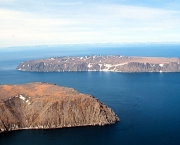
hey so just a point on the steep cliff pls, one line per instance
(44, 106)
(102, 63)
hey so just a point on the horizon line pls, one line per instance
(91, 44)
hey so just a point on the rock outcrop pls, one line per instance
(45, 106)
(102, 63)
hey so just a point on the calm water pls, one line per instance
(147, 103)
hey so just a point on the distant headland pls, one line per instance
(112, 63)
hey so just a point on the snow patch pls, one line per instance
(111, 67)
(100, 65)
(24, 99)
(89, 65)
(107, 67)
(161, 65)
(121, 64)
(11, 98)
(21, 97)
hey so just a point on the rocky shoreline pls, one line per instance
(112, 63)
(48, 106)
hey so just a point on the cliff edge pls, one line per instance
(45, 106)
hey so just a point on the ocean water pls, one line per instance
(147, 103)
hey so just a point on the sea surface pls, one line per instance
(147, 103)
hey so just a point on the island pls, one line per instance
(112, 63)
(45, 106)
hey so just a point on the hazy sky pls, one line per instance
(48, 22)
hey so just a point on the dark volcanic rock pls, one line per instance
(102, 63)
(44, 106)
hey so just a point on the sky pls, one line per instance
(55, 22)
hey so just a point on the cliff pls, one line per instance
(45, 106)
(102, 63)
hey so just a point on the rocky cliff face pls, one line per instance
(102, 63)
(44, 106)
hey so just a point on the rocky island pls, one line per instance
(46, 106)
(113, 63)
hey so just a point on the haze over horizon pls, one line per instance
(55, 22)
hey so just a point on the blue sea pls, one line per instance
(147, 103)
